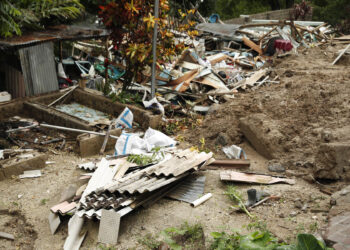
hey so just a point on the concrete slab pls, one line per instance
(88, 145)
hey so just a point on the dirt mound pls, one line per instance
(312, 97)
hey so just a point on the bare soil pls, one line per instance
(312, 96)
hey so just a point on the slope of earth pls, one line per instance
(313, 97)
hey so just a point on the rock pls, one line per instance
(338, 231)
(333, 201)
(222, 139)
(332, 161)
(304, 208)
(276, 168)
(293, 214)
(340, 201)
(281, 215)
(298, 204)
(214, 108)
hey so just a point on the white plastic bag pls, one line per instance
(234, 152)
(154, 138)
(129, 144)
(133, 144)
(125, 119)
(1, 154)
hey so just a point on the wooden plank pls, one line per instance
(255, 77)
(252, 45)
(341, 54)
(229, 164)
(253, 178)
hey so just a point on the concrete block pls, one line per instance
(88, 145)
(332, 161)
(145, 118)
(18, 166)
(263, 134)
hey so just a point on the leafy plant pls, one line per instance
(149, 242)
(131, 23)
(143, 160)
(234, 195)
(15, 15)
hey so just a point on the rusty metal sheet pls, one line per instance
(39, 70)
(51, 34)
(253, 178)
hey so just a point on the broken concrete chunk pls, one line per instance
(263, 134)
(276, 167)
(332, 161)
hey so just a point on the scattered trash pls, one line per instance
(125, 119)
(30, 174)
(201, 200)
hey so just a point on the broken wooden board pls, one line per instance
(186, 77)
(213, 81)
(214, 59)
(252, 45)
(255, 77)
(253, 178)
(341, 54)
(229, 164)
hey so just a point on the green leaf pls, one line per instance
(309, 242)
(216, 234)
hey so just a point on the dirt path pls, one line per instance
(38, 195)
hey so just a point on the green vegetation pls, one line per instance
(192, 237)
(143, 160)
(16, 15)
(236, 196)
(186, 237)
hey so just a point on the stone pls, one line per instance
(293, 214)
(222, 139)
(338, 231)
(278, 168)
(298, 204)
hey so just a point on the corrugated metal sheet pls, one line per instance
(39, 71)
(57, 33)
(139, 186)
(226, 30)
(189, 190)
(14, 82)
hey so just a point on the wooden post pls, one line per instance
(60, 51)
